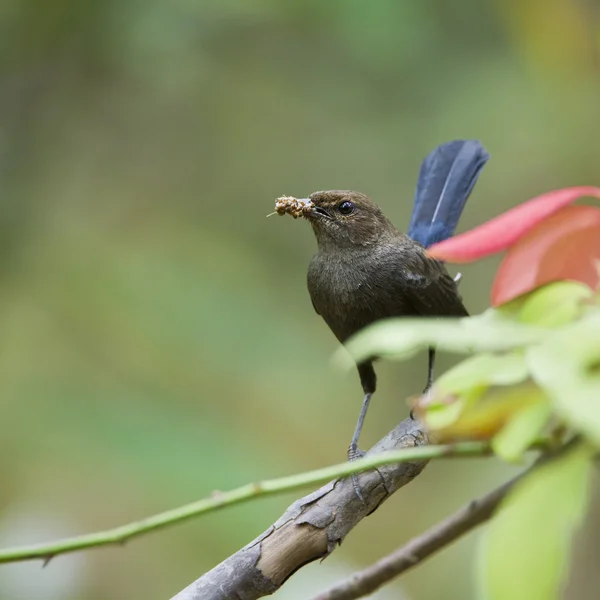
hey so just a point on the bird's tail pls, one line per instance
(446, 179)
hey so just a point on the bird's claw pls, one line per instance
(354, 453)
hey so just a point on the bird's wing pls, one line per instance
(430, 289)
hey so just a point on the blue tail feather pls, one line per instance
(446, 179)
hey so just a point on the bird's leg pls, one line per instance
(431, 364)
(353, 451)
(430, 368)
(368, 381)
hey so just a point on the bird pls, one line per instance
(366, 270)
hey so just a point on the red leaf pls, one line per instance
(563, 247)
(503, 231)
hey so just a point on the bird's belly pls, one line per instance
(350, 300)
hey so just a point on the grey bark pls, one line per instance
(310, 528)
(367, 581)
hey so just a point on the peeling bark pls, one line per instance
(310, 528)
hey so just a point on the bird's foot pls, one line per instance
(354, 453)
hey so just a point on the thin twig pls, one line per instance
(436, 538)
(216, 500)
(420, 548)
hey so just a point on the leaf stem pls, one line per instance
(217, 499)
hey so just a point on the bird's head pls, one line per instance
(343, 218)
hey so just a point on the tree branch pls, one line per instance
(441, 535)
(119, 535)
(313, 526)
(420, 548)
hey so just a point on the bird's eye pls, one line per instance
(346, 207)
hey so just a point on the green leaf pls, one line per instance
(463, 386)
(511, 442)
(401, 338)
(483, 418)
(555, 304)
(441, 417)
(567, 367)
(484, 370)
(527, 545)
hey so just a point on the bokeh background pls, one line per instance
(157, 339)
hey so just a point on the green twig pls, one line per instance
(119, 535)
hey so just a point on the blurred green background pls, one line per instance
(157, 339)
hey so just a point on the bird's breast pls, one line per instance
(336, 281)
(351, 292)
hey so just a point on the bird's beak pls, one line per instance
(309, 208)
(313, 212)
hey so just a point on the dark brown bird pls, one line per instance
(366, 270)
